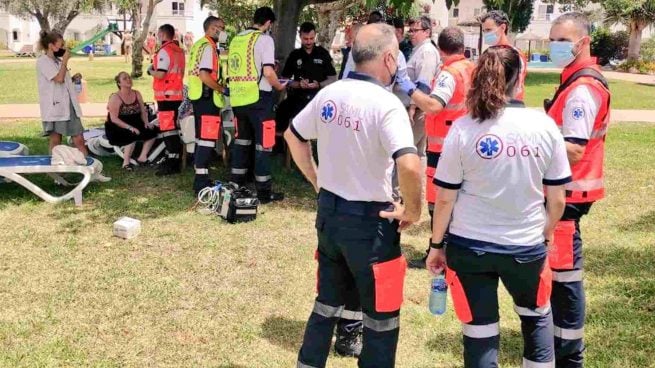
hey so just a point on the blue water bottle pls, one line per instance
(438, 295)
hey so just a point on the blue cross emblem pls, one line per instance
(328, 111)
(578, 113)
(489, 147)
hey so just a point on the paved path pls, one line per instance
(636, 78)
(99, 110)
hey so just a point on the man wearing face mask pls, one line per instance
(495, 27)
(167, 71)
(358, 123)
(251, 71)
(581, 108)
(206, 95)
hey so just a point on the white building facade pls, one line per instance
(184, 15)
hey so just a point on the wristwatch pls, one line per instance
(439, 245)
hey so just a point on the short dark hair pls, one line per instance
(396, 22)
(48, 37)
(375, 17)
(263, 15)
(499, 17)
(451, 40)
(168, 30)
(205, 25)
(307, 27)
(580, 21)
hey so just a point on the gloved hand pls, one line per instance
(406, 86)
(423, 87)
(226, 91)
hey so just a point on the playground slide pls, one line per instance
(113, 27)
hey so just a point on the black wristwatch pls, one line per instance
(439, 245)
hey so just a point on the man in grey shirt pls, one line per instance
(422, 66)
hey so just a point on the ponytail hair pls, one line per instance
(48, 37)
(494, 82)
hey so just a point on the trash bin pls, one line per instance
(536, 57)
(107, 49)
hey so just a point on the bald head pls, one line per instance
(372, 42)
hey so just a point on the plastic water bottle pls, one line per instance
(438, 295)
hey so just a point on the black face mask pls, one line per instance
(60, 52)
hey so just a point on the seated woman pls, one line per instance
(127, 121)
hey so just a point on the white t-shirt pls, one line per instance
(55, 98)
(361, 128)
(264, 56)
(444, 88)
(500, 167)
(164, 62)
(207, 58)
(401, 74)
(580, 112)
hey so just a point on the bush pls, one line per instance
(607, 45)
(638, 66)
(648, 50)
(71, 44)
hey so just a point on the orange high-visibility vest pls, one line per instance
(171, 87)
(438, 125)
(588, 178)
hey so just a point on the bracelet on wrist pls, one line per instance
(438, 245)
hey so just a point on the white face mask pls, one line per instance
(222, 37)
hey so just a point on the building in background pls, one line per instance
(185, 15)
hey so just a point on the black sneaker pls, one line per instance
(169, 167)
(269, 196)
(199, 183)
(349, 341)
(417, 263)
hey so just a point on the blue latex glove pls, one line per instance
(406, 86)
(226, 91)
(423, 87)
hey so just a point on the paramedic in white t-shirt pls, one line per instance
(496, 164)
(361, 129)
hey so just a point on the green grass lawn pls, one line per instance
(100, 76)
(625, 95)
(193, 291)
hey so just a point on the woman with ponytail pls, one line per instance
(490, 220)
(60, 111)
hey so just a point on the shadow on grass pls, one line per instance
(511, 345)
(284, 332)
(646, 84)
(645, 223)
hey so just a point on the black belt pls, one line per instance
(332, 202)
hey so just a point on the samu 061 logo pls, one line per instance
(489, 146)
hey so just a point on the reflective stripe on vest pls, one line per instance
(481, 331)
(242, 72)
(171, 87)
(437, 126)
(587, 185)
(193, 75)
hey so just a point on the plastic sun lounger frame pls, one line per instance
(41, 165)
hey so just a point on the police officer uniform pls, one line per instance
(357, 124)
(207, 104)
(581, 109)
(169, 94)
(251, 97)
(314, 66)
(495, 234)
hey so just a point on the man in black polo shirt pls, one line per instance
(310, 68)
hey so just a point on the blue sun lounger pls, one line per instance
(8, 148)
(14, 168)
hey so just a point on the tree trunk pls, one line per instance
(44, 23)
(329, 18)
(63, 24)
(634, 46)
(137, 51)
(287, 13)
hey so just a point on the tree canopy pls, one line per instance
(518, 11)
(52, 14)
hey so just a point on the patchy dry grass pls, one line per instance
(192, 290)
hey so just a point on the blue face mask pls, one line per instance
(561, 53)
(491, 38)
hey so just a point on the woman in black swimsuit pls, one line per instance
(127, 121)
